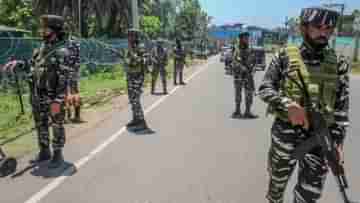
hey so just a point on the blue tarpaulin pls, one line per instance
(224, 34)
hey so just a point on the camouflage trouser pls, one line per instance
(41, 114)
(155, 73)
(248, 85)
(135, 83)
(312, 169)
(73, 96)
(178, 71)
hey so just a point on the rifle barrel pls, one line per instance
(19, 94)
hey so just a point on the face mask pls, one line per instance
(47, 34)
(315, 43)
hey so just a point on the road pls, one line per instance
(198, 154)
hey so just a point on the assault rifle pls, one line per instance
(18, 90)
(320, 136)
(15, 72)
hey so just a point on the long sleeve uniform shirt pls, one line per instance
(269, 90)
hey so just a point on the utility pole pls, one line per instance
(287, 30)
(80, 24)
(356, 27)
(135, 14)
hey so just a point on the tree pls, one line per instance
(151, 26)
(105, 14)
(110, 18)
(166, 11)
(17, 13)
(356, 12)
(187, 20)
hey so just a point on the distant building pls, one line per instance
(257, 35)
(225, 32)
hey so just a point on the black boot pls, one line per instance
(131, 124)
(57, 160)
(175, 77)
(181, 79)
(248, 114)
(43, 155)
(153, 87)
(141, 126)
(237, 113)
(165, 88)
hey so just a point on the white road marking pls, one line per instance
(67, 173)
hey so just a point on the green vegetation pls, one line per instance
(109, 18)
(151, 26)
(355, 69)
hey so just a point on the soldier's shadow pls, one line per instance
(252, 118)
(66, 169)
(75, 122)
(158, 94)
(244, 118)
(43, 170)
(142, 133)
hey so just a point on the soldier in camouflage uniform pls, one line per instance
(73, 92)
(136, 71)
(327, 79)
(161, 60)
(243, 76)
(48, 74)
(179, 62)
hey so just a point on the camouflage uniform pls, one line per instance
(161, 60)
(285, 137)
(179, 62)
(243, 79)
(74, 79)
(49, 86)
(135, 81)
(48, 75)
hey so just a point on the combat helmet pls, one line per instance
(52, 21)
(319, 16)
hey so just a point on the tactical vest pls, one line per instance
(238, 57)
(321, 83)
(136, 59)
(180, 54)
(44, 58)
(161, 57)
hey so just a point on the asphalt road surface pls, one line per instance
(198, 154)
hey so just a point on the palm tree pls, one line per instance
(112, 17)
